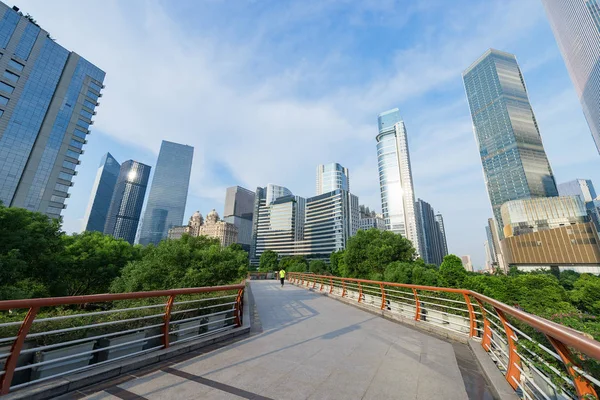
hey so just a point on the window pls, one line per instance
(6, 88)
(95, 86)
(69, 165)
(86, 114)
(83, 124)
(72, 154)
(11, 76)
(1, 112)
(61, 188)
(65, 176)
(79, 134)
(53, 210)
(16, 65)
(89, 104)
(76, 143)
(57, 199)
(3, 100)
(92, 95)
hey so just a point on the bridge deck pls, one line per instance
(312, 347)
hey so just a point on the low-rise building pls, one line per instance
(213, 227)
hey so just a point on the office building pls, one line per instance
(168, 192)
(212, 227)
(514, 161)
(331, 177)
(127, 201)
(370, 219)
(466, 260)
(584, 188)
(48, 97)
(491, 249)
(432, 243)
(576, 27)
(102, 191)
(239, 209)
(440, 224)
(395, 177)
(551, 232)
(489, 261)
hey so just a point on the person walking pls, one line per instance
(282, 276)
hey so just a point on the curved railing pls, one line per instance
(539, 358)
(50, 337)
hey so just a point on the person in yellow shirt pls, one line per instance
(282, 276)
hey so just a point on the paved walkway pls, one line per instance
(312, 347)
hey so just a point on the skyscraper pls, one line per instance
(584, 188)
(127, 201)
(239, 209)
(440, 225)
(433, 247)
(168, 193)
(104, 186)
(515, 165)
(395, 177)
(576, 27)
(47, 100)
(491, 244)
(331, 177)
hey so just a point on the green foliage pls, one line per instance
(586, 294)
(294, 264)
(336, 261)
(318, 267)
(452, 272)
(268, 261)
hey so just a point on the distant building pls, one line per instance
(432, 245)
(583, 188)
(550, 232)
(466, 260)
(370, 219)
(168, 192)
(48, 98)
(213, 227)
(515, 165)
(239, 209)
(440, 224)
(102, 191)
(127, 201)
(331, 177)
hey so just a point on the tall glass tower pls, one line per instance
(47, 100)
(331, 177)
(104, 186)
(127, 201)
(514, 161)
(168, 193)
(576, 27)
(395, 177)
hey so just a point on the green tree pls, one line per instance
(586, 294)
(399, 272)
(452, 271)
(318, 267)
(268, 261)
(336, 260)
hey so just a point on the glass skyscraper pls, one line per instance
(395, 177)
(433, 241)
(47, 100)
(331, 177)
(239, 209)
(440, 224)
(127, 201)
(104, 186)
(168, 193)
(514, 161)
(576, 27)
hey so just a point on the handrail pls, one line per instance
(477, 325)
(34, 306)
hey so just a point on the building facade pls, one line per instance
(466, 260)
(239, 209)
(212, 227)
(514, 161)
(576, 27)
(102, 191)
(440, 224)
(395, 177)
(331, 177)
(48, 97)
(168, 192)
(433, 249)
(127, 201)
(584, 188)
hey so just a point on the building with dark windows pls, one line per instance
(514, 161)
(440, 225)
(104, 186)
(576, 27)
(127, 201)
(168, 192)
(370, 219)
(239, 209)
(433, 242)
(331, 177)
(48, 97)
(395, 177)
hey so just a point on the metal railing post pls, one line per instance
(321, 287)
(486, 341)
(15, 351)
(343, 288)
(239, 308)
(583, 387)
(314, 282)
(359, 292)
(513, 372)
(472, 319)
(330, 285)
(382, 296)
(418, 305)
(167, 319)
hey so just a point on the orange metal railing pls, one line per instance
(539, 358)
(197, 312)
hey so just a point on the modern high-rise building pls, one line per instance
(395, 177)
(168, 192)
(47, 100)
(490, 241)
(430, 234)
(331, 177)
(127, 201)
(514, 161)
(239, 209)
(440, 224)
(104, 186)
(466, 260)
(584, 188)
(576, 27)
(273, 192)
(370, 219)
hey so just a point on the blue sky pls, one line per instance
(267, 89)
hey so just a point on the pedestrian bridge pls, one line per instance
(378, 341)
